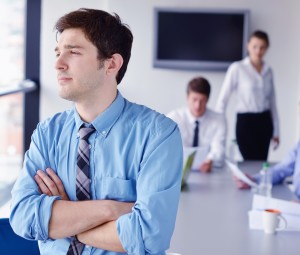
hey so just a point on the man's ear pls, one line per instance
(114, 64)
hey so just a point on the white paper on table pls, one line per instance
(261, 203)
(239, 174)
(200, 156)
(289, 210)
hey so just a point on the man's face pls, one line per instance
(79, 73)
(196, 103)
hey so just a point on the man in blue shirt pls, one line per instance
(289, 166)
(135, 153)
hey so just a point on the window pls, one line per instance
(19, 87)
(12, 46)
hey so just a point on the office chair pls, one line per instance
(12, 244)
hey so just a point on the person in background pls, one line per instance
(252, 81)
(200, 126)
(289, 166)
(119, 194)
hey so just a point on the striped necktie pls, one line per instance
(82, 179)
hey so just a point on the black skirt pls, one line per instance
(253, 134)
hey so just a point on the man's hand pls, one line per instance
(240, 184)
(206, 166)
(50, 184)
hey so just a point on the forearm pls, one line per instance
(73, 217)
(104, 237)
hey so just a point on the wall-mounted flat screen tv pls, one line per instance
(199, 39)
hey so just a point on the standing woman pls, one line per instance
(257, 119)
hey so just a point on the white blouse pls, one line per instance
(255, 91)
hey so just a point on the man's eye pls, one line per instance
(75, 52)
(57, 54)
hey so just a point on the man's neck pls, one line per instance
(93, 107)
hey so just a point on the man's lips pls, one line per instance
(63, 78)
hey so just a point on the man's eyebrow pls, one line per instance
(68, 46)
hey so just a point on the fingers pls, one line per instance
(58, 183)
(50, 184)
(46, 184)
(43, 189)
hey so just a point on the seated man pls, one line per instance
(289, 166)
(200, 126)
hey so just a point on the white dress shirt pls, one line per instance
(255, 91)
(212, 131)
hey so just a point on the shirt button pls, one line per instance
(90, 146)
(103, 132)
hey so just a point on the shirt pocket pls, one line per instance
(117, 189)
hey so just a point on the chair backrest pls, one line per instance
(12, 244)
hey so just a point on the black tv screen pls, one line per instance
(199, 39)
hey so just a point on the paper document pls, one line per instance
(289, 210)
(239, 174)
(201, 154)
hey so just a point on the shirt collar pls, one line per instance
(105, 121)
(265, 67)
(192, 119)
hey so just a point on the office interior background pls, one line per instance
(160, 89)
(164, 89)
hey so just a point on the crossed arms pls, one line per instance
(93, 221)
(48, 215)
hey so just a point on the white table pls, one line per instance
(212, 218)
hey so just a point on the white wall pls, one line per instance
(163, 89)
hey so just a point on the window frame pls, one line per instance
(31, 102)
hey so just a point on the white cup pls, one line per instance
(271, 221)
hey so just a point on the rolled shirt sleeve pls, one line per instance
(31, 211)
(148, 229)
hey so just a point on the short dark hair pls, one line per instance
(102, 29)
(199, 85)
(261, 35)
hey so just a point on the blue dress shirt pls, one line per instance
(136, 155)
(289, 166)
